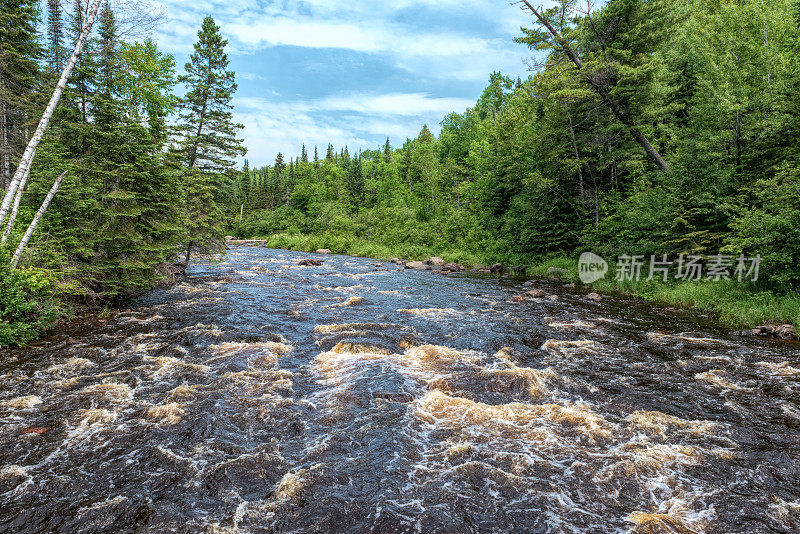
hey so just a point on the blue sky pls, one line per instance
(350, 72)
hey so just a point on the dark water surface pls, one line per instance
(259, 396)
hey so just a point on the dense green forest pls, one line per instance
(646, 127)
(142, 164)
(559, 163)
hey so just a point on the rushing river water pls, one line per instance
(259, 396)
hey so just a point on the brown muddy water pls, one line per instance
(259, 396)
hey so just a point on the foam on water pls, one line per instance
(258, 396)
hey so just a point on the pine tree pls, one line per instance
(316, 157)
(207, 131)
(387, 152)
(138, 223)
(304, 155)
(355, 183)
(56, 53)
(208, 143)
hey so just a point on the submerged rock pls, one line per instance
(39, 430)
(402, 398)
(594, 296)
(309, 263)
(536, 293)
(555, 271)
(518, 298)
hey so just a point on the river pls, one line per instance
(260, 396)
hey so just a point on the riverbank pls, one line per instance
(732, 304)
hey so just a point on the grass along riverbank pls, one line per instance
(733, 304)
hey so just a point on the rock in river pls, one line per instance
(309, 263)
(418, 265)
(324, 251)
(785, 331)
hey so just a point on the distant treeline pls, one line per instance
(650, 127)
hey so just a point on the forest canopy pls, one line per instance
(555, 164)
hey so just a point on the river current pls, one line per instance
(260, 396)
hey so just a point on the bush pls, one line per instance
(27, 304)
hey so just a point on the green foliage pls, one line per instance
(27, 303)
(129, 204)
(541, 167)
(207, 132)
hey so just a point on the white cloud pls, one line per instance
(403, 104)
(428, 43)
(374, 37)
(355, 120)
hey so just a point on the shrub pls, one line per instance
(27, 304)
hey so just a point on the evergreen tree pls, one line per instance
(207, 132)
(56, 53)
(208, 143)
(355, 183)
(279, 164)
(387, 152)
(19, 52)
(304, 155)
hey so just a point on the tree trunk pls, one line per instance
(35, 222)
(188, 254)
(24, 167)
(6, 163)
(620, 114)
(577, 156)
(13, 217)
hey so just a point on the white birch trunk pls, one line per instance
(35, 222)
(13, 217)
(27, 157)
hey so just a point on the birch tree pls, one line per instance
(23, 170)
(35, 222)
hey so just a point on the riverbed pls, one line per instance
(261, 396)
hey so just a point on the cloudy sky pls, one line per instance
(350, 72)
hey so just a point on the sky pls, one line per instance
(350, 72)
